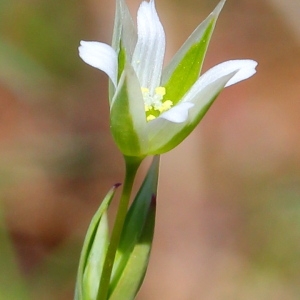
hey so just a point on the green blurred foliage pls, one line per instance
(11, 284)
(38, 61)
(273, 227)
(43, 35)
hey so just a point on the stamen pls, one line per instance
(160, 91)
(166, 106)
(154, 104)
(147, 107)
(150, 118)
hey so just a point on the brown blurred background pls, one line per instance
(228, 219)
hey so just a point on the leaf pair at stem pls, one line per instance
(107, 273)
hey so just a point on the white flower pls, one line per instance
(162, 106)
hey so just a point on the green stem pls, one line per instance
(132, 165)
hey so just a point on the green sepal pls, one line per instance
(93, 252)
(185, 67)
(135, 245)
(124, 29)
(127, 115)
(121, 60)
(165, 135)
(124, 39)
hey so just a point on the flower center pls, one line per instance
(154, 104)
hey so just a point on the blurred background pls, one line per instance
(228, 217)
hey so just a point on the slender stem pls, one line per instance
(132, 165)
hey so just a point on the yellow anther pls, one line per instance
(150, 118)
(160, 91)
(147, 107)
(166, 106)
(154, 104)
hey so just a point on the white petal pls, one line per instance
(100, 56)
(178, 113)
(246, 70)
(149, 52)
(241, 70)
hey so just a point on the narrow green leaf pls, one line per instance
(136, 265)
(136, 240)
(95, 259)
(93, 251)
